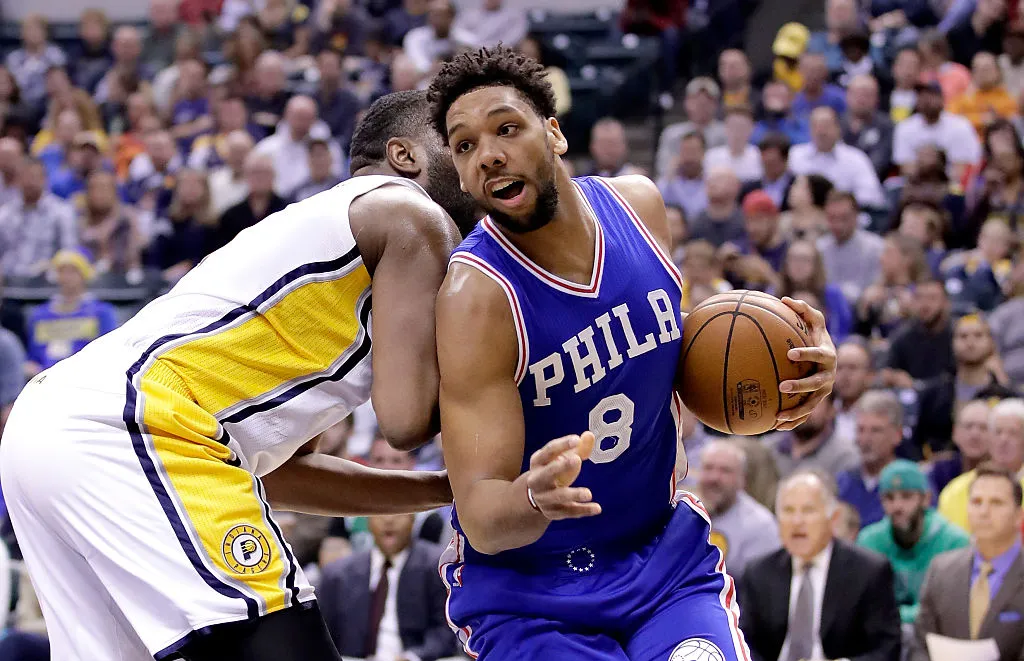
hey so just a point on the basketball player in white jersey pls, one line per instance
(133, 469)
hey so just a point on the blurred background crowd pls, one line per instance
(863, 155)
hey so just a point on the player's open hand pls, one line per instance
(823, 352)
(553, 469)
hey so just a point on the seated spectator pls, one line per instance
(338, 104)
(887, 303)
(841, 19)
(976, 592)
(30, 63)
(804, 270)
(494, 22)
(737, 154)
(722, 220)
(922, 348)
(817, 92)
(743, 529)
(987, 99)
(776, 115)
(683, 185)
(341, 26)
(181, 240)
(701, 274)
(388, 602)
(260, 202)
(701, 105)
(266, 106)
(979, 277)
(190, 114)
(241, 51)
(858, 59)
(109, 229)
(1001, 194)
(911, 534)
(816, 444)
(228, 185)
(440, 38)
(13, 111)
(983, 32)
(288, 148)
(210, 151)
(321, 174)
(83, 159)
(734, 74)
(1011, 61)
(854, 376)
(398, 21)
(35, 226)
(847, 167)
(970, 440)
(754, 260)
(1006, 451)
(817, 597)
(141, 119)
(927, 180)
(776, 179)
(91, 59)
(1007, 322)
(52, 142)
(158, 48)
(922, 222)
(678, 232)
(852, 255)
(12, 155)
(186, 49)
(556, 77)
(953, 78)
(879, 432)
(805, 217)
(865, 126)
(906, 74)
(151, 175)
(128, 65)
(71, 319)
(609, 151)
(286, 26)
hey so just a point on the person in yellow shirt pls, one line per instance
(1006, 448)
(790, 43)
(987, 99)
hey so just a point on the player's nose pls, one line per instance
(491, 157)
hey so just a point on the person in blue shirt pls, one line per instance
(879, 432)
(83, 159)
(71, 319)
(816, 90)
(776, 116)
(190, 116)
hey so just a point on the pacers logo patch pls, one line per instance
(246, 550)
(696, 649)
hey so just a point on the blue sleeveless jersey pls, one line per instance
(599, 357)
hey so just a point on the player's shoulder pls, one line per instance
(643, 196)
(472, 290)
(401, 213)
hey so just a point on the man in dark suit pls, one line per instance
(818, 597)
(978, 592)
(388, 603)
(777, 179)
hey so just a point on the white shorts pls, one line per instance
(134, 540)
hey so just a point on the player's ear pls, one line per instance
(558, 142)
(402, 157)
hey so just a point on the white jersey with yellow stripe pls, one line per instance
(262, 346)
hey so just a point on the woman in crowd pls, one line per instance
(806, 216)
(63, 96)
(886, 304)
(109, 229)
(999, 191)
(180, 241)
(804, 272)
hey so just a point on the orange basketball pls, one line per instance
(734, 358)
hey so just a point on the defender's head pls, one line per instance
(496, 110)
(395, 137)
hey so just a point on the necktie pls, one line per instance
(980, 598)
(801, 625)
(377, 605)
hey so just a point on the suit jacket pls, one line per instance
(944, 606)
(859, 617)
(345, 601)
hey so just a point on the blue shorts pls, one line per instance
(669, 600)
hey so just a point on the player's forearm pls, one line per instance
(496, 516)
(329, 486)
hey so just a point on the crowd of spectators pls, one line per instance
(875, 169)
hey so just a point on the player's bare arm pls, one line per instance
(483, 428)
(405, 241)
(646, 200)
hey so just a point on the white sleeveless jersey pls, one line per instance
(262, 346)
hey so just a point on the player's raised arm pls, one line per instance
(483, 431)
(405, 241)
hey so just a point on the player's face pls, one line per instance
(442, 184)
(505, 156)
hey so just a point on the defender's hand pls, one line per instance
(823, 353)
(556, 464)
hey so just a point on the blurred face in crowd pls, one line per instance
(404, 74)
(893, 263)
(995, 240)
(86, 158)
(723, 186)
(270, 75)
(11, 157)
(824, 129)
(992, 9)
(101, 192)
(137, 107)
(777, 99)
(992, 512)
(761, 228)
(985, 71)
(801, 258)
(386, 457)
(800, 197)
(972, 342)
(58, 85)
(68, 126)
(906, 69)
(163, 13)
(805, 512)
(93, 31)
(160, 148)
(608, 145)
(70, 281)
(676, 225)
(191, 79)
(820, 419)
(32, 177)
(733, 69)
(841, 15)
(392, 533)
(259, 175)
(721, 476)
(970, 431)
(739, 126)
(930, 104)
(862, 96)
(319, 161)
(1006, 441)
(239, 145)
(877, 438)
(773, 163)
(919, 222)
(814, 70)
(191, 188)
(932, 303)
(1005, 153)
(328, 63)
(906, 511)
(127, 45)
(842, 219)
(700, 269)
(232, 115)
(300, 114)
(186, 47)
(691, 157)
(440, 15)
(853, 372)
(33, 32)
(701, 107)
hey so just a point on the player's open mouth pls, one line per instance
(507, 190)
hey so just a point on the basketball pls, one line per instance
(734, 358)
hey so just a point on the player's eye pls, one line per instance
(507, 130)
(462, 147)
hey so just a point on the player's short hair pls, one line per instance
(489, 67)
(395, 115)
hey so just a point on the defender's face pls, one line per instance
(504, 153)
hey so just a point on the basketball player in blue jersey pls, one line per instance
(559, 314)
